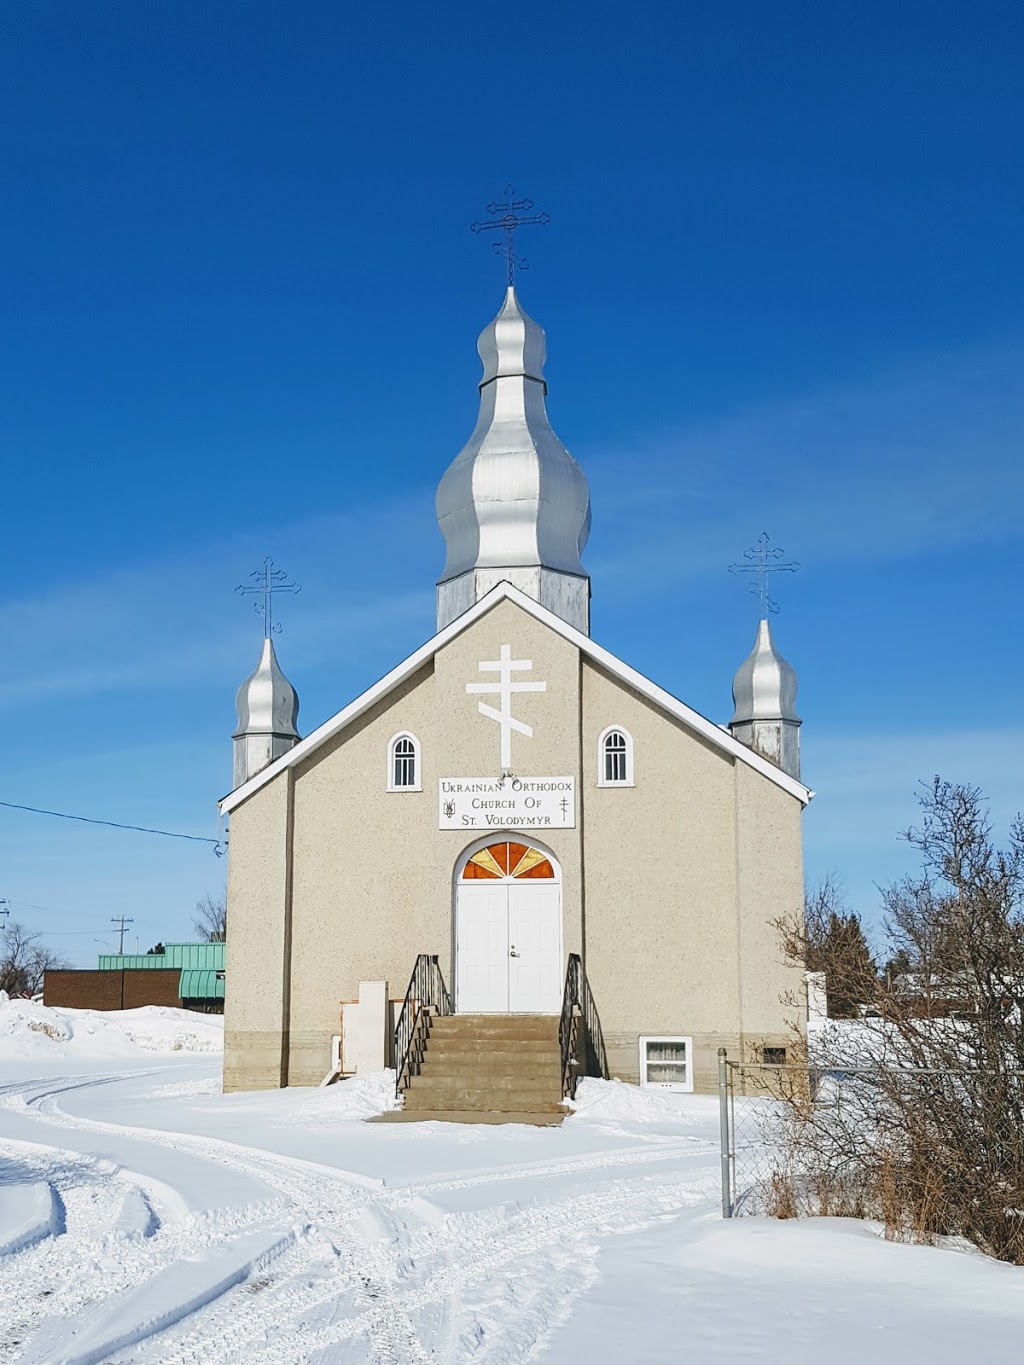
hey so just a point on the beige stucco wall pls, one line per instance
(671, 878)
(364, 879)
(770, 861)
(255, 1004)
(371, 872)
(677, 939)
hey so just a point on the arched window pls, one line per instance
(508, 859)
(615, 758)
(404, 764)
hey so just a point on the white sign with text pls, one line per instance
(506, 803)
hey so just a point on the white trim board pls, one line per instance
(707, 729)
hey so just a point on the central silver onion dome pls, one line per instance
(268, 710)
(514, 505)
(764, 694)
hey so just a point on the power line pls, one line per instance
(17, 901)
(49, 909)
(72, 933)
(218, 845)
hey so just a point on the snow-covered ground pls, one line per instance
(145, 1217)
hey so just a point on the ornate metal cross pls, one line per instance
(762, 561)
(504, 688)
(267, 581)
(514, 214)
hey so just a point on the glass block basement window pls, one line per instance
(666, 1063)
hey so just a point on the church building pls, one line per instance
(569, 868)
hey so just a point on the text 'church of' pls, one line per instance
(581, 869)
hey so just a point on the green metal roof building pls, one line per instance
(201, 966)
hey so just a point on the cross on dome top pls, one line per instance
(267, 704)
(266, 581)
(764, 688)
(762, 561)
(514, 214)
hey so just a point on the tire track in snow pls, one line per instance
(96, 1258)
(550, 1249)
(305, 1185)
(386, 1266)
(624, 1156)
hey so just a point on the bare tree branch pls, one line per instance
(829, 938)
(24, 960)
(917, 1117)
(211, 918)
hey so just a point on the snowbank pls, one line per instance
(29, 1029)
(358, 1098)
(617, 1102)
(323, 1108)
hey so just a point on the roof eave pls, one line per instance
(665, 700)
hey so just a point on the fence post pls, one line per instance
(723, 1131)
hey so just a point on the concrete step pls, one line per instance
(501, 1056)
(492, 1037)
(465, 1044)
(422, 1087)
(468, 1116)
(488, 1065)
(485, 1017)
(501, 1080)
(482, 1102)
(479, 1025)
(483, 1072)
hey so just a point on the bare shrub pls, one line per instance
(782, 1197)
(918, 1116)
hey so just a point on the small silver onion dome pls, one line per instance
(764, 694)
(268, 709)
(514, 505)
(764, 687)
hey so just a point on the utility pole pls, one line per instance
(3, 908)
(121, 921)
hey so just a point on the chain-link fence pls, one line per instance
(926, 1151)
(755, 1124)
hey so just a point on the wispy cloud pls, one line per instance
(898, 466)
(176, 622)
(894, 466)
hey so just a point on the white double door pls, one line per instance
(508, 947)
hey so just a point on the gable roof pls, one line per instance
(672, 706)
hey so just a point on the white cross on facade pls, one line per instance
(504, 688)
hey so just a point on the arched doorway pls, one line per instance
(508, 930)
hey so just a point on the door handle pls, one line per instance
(512, 953)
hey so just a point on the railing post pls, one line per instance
(723, 1131)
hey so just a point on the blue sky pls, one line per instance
(782, 291)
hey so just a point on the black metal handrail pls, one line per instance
(427, 994)
(579, 1030)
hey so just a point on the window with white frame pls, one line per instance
(404, 764)
(615, 758)
(666, 1062)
